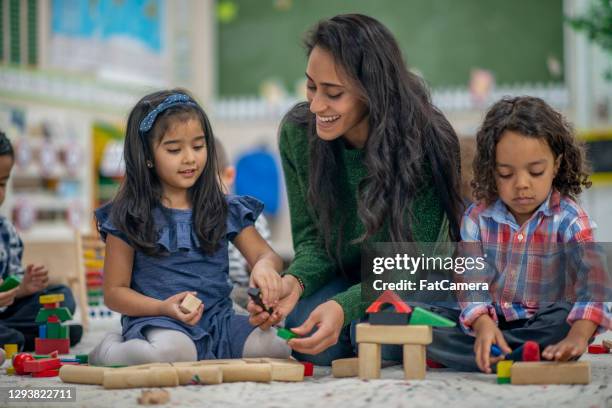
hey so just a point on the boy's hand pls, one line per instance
(266, 278)
(35, 279)
(488, 333)
(170, 308)
(569, 347)
(7, 298)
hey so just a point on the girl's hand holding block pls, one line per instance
(190, 303)
(171, 308)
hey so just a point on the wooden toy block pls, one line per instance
(46, 373)
(151, 377)
(367, 333)
(369, 360)
(598, 349)
(82, 374)
(44, 346)
(285, 370)
(53, 319)
(414, 362)
(255, 295)
(389, 298)
(503, 371)
(261, 372)
(389, 318)
(42, 331)
(548, 372)
(10, 349)
(345, 367)
(51, 305)
(62, 313)
(205, 375)
(53, 330)
(43, 299)
(308, 368)
(9, 283)
(190, 303)
(285, 334)
(424, 317)
(35, 366)
(154, 397)
(64, 332)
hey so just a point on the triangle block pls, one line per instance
(424, 317)
(391, 298)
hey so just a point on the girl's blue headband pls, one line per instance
(170, 101)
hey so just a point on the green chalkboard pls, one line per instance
(442, 39)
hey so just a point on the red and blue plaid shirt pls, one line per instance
(557, 220)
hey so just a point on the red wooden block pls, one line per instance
(43, 364)
(46, 373)
(597, 349)
(51, 305)
(46, 346)
(19, 360)
(308, 368)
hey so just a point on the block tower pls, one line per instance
(94, 265)
(52, 334)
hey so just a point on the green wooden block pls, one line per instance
(64, 332)
(9, 283)
(53, 331)
(285, 334)
(61, 312)
(424, 317)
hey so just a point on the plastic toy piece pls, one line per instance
(154, 397)
(44, 346)
(62, 313)
(35, 366)
(46, 373)
(345, 367)
(530, 351)
(386, 318)
(44, 299)
(53, 319)
(495, 350)
(308, 368)
(549, 372)
(190, 303)
(285, 334)
(42, 331)
(424, 317)
(391, 298)
(19, 360)
(598, 349)
(255, 295)
(11, 349)
(503, 371)
(83, 358)
(9, 283)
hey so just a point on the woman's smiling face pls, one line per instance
(336, 102)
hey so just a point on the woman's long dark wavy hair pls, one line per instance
(532, 117)
(406, 133)
(141, 190)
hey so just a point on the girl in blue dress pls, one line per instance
(167, 234)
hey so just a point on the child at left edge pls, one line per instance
(19, 306)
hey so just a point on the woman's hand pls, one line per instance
(8, 297)
(328, 318)
(170, 308)
(35, 279)
(266, 278)
(290, 294)
(487, 333)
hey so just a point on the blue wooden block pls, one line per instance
(42, 331)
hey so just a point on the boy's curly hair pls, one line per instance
(530, 117)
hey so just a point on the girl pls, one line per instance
(367, 158)
(528, 171)
(167, 233)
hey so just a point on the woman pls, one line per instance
(362, 157)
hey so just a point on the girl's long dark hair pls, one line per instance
(141, 190)
(406, 134)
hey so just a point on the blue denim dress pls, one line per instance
(184, 267)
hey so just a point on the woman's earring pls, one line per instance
(149, 164)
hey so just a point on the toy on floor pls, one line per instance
(345, 367)
(413, 336)
(504, 371)
(52, 334)
(551, 372)
(172, 374)
(154, 397)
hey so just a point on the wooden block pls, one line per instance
(151, 377)
(51, 298)
(261, 372)
(388, 318)
(345, 367)
(421, 316)
(369, 360)
(46, 346)
(154, 397)
(607, 344)
(190, 303)
(548, 372)
(83, 374)
(199, 375)
(367, 333)
(414, 362)
(53, 331)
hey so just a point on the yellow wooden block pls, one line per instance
(369, 360)
(384, 334)
(503, 368)
(46, 299)
(549, 372)
(414, 362)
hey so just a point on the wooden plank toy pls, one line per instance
(190, 303)
(550, 372)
